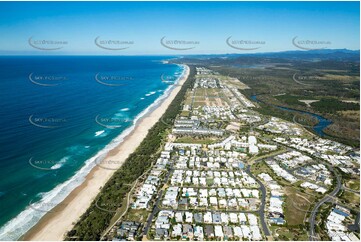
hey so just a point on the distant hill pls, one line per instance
(321, 54)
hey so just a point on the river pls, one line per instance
(317, 128)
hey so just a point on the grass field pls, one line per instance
(137, 215)
(297, 205)
(353, 184)
(351, 199)
(196, 140)
(289, 234)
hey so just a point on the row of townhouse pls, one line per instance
(276, 200)
(212, 178)
(217, 112)
(278, 126)
(176, 197)
(197, 131)
(280, 171)
(336, 228)
(314, 187)
(293, 158)
(218, 232)
(209, 225)
(247, 103)
(330, 151)
(149, 188)
(317, 173)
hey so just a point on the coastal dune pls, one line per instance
(55, 224)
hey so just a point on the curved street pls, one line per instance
(263, 202)
(327, 198)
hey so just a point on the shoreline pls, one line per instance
(61, 219)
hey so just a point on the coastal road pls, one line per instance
(263, 202)
(327, 198)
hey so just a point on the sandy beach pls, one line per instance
(61, 219)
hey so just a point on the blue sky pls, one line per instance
(206, 24)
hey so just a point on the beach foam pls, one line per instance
(24, 221)
(149, 94)
(98, 133)
(60, 163)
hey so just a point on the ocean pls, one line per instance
(58, 115)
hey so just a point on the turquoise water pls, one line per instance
(58, 115)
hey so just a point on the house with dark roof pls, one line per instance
(209, 231)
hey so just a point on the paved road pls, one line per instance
(127, 207)
(327, 198)
(263, 202)
(347, 206)
(351, 190)
(301, 178)
(155, 210)
(215, 210)
(260, 211)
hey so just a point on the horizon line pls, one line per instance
(19, 53)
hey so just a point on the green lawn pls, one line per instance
(354, 184)
(293, 233)
(137, 215)
(351, 199)
(297, 205)
(196, 140)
